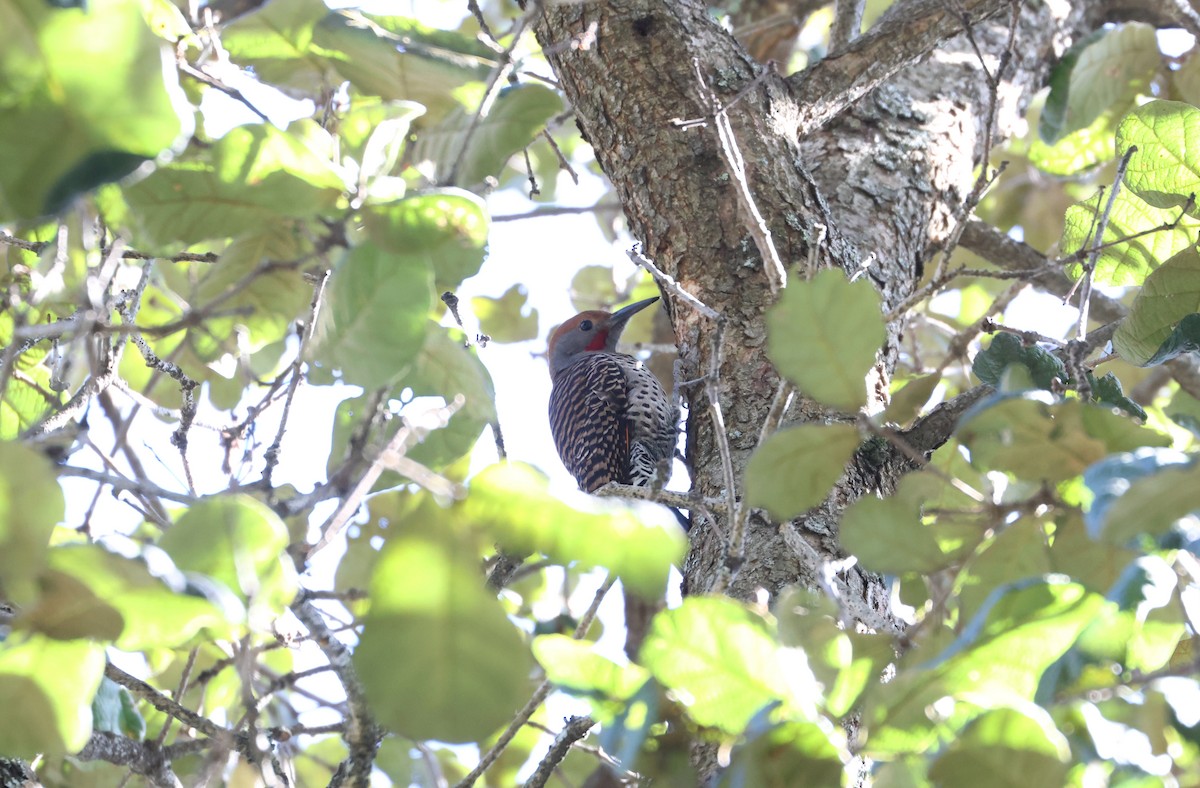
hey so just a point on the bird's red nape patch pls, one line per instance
(598, 341)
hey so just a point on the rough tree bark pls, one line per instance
(868, 155)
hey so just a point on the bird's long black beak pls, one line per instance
(621, 316)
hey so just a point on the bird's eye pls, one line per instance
(585, 325)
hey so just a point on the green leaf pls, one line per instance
(1019, 551)
(907, 402)
(373, 136)
(723, 665)
(887, 534)
(1094, 564)
(1033, 437)
(997, 661)
(90, 592)
(791, 754)
(796, 468)
(575, 666)
(254, 175)
(1184, 410)
(1090, 89)
(277, 42)
(844, 663)
(1166, 169)
(447, 229)
(1006, 748)
(517, 115)
(374, 320)
(444, 368)
(511, 501)
(396, 58)
(1109, 389)
(115, 711)
(52, 683)
(1162, 322)
(1141, 631)
(28, 397)
(249, 308)
(84, 97)
(1007, 349)
(823, 335)
(1110, 478)
(1126, 259)
(31, 504)
(1151, 504)
(240, 542)
(1052, 122)
(503, 318)
(438, 658)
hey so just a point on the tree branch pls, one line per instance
(907, 33)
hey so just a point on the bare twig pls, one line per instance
(362, 734)
(731, 155)
(498, 75)
(562, 160)
(575, 729)
(272, 454)
(141, 689)
(405, 437)
(534, 191)
(1089, 267)
(847, 23)
(543, 211)
(668, 284)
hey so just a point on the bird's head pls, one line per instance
(594, 331)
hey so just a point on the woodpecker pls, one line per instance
(611, 419)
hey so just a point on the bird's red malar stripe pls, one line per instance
(599, 341)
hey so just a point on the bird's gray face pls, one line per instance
(584, 333)
(590, 332)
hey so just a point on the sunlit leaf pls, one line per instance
(276, 41)
(438, 657)
(503, 318)
(254, 175)
(796, 467)
(823, 335)
(396, 58)
(52, 682)
(86, 100)
(374, 320)
(1035, 438)
(511, 123)
(1137, 238)
(908, 401)
(240, 542)
(722, 663)
(1163, 321)
(31, 504)
(1004, 748)
(89, 592)
(888, 534)
(997, 661)
(511, 502)
(1165, 171)
(575, 666)
(447, 229)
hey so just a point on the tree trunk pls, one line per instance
(862, 161)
